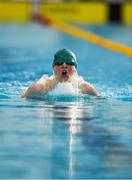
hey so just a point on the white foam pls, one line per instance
(64, 88)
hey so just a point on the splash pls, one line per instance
(65, 88)
(116, 92)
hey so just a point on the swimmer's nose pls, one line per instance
(64, 65)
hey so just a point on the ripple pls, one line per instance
(3, 96)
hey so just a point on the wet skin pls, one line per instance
(63, 72)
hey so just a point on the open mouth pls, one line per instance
(64, 73)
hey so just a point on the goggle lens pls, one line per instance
(68, 63)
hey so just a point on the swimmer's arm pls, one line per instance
(87, 88)
(37, 88)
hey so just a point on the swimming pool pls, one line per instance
(64, 137)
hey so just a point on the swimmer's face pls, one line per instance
(64, 71)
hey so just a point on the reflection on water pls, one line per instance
(75, 137)
(65, 139)
(83, 141)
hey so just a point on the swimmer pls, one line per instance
(64, 71)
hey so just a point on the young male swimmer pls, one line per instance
(64, 72)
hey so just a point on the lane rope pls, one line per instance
(85, 35)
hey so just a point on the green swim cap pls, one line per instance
(64, 56)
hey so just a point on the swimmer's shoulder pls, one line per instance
(89, 88)
(80, 80)
(48, 81)
(45, 79)
(84, 83)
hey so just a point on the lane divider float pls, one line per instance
(85, 35)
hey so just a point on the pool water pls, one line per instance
(64, 136)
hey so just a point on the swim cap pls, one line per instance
(64, 56)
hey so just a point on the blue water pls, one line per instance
(64, 137)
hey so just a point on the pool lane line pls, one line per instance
(93, 38)
(85, 35)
